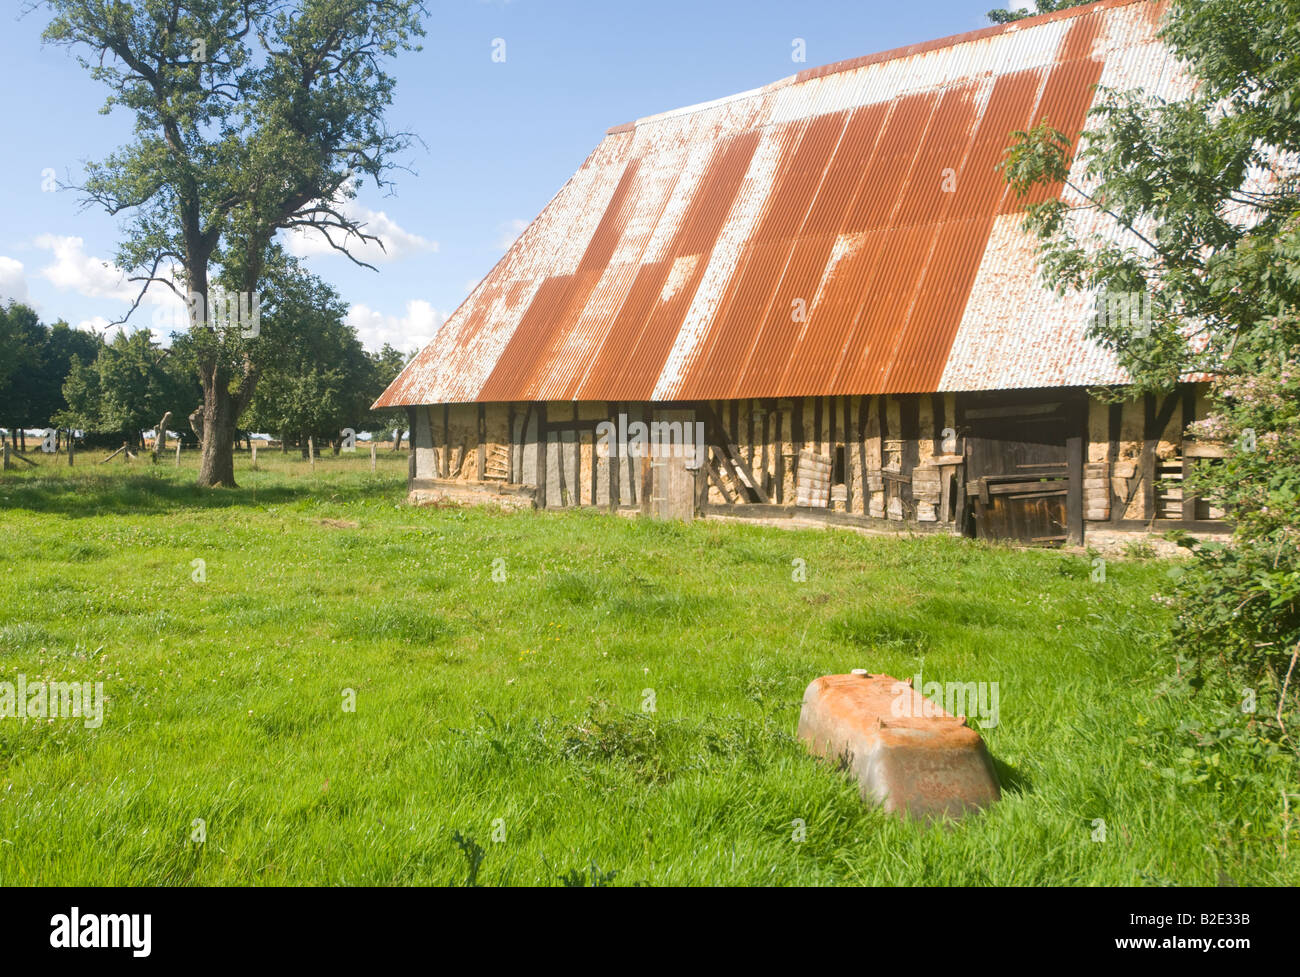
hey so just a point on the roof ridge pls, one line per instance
(906, 50)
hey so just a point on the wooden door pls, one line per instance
(668, 485)
(1018, 465)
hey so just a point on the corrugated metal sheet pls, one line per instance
(798, 239)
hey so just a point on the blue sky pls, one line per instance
(500, 137)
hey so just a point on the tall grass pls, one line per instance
(501, 732)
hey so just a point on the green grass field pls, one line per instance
(512, 714)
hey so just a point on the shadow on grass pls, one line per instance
(1010, 779)
(150, 494)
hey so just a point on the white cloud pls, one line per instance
(96, 323)
(398, 242)
(13, 283)
(510, 231)
(411, 331)
(75, 271)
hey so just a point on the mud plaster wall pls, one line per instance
(1128, 490)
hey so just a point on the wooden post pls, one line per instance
(126, 454)
(178, 453)
(253, 451)
(5, 455)
(160, 440)
(372, 457)
(1075, 447)
(72, 450)
(311, 452)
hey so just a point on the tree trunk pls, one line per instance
(217, 437)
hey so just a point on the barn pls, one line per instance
(816, 298)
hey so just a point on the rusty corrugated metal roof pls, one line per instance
(674, 264)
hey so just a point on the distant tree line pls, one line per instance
(316, 379)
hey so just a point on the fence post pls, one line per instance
(254, 457)
(372, 457)
(311, 452)
(72, 447)
(5, 453)
(178, 453)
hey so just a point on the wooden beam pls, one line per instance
(745, 475)
(1153, 425)
(796, 436)
(850, 436)
(541, 455)
(1074, 448)
(780, 454)
(481, 456)
(1189, 463)
(909, 430)
(937, 420)
(864, 407)
(445, 471)
(615, 490)
(1114, 431)
(717, 480)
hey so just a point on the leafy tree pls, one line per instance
(316, 378)
(130, 385)
(1006, 15)
(34, 361)
(252, 116)
(1204, 197)
(20, 342)
(387, 364)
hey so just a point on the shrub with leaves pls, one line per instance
(1194, 204)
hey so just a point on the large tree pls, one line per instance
(251, 117)
(1197, 206)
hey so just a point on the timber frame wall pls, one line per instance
(882, 450)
